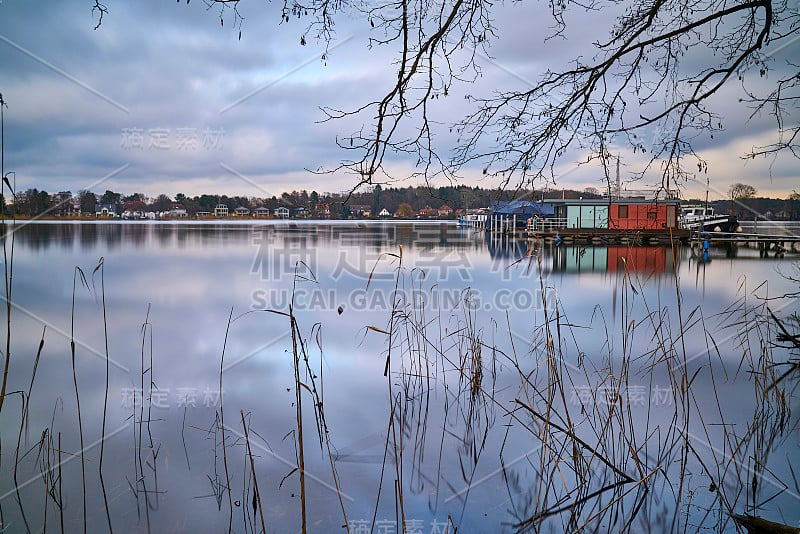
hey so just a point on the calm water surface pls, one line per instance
(470, 326)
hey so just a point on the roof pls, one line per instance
(607, 202)
(526, 208)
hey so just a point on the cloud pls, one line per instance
(74, 93)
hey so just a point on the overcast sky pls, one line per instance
(162, 99)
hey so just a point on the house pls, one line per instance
(323, 211)
(261, 212)
(282, 212)
(384, 213)
(177, 213)
(221, 210)
(241, 211)
(134, 206)
(428, 213)
(630, 214)
(134, 209)
(361, 210)
(445, 211)
(301, 213)
(105, 210)
(203, 214)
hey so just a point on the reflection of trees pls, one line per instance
(87, 235)
(111, 236)
(135, 235)
(163, 234)
(305, 236)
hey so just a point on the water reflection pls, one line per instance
(464, 412)
(135, 235)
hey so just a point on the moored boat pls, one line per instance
(703, 219)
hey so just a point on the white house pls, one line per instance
(282, 212)
(105, 210)
(384, 213)
(221, 210)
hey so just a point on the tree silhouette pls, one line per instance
(404, 210)
(87, 200)
(741, 191)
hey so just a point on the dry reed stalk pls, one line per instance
(8, 268)
(253, 472)
(75, 382)
(23, 425)
(60, 490)
(299, 417)
(101, 268)
(222, 425)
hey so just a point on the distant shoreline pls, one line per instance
(232, 221)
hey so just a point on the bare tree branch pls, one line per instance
(647, 87)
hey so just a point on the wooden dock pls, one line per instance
(764, 242)
(604, 236)
(767, 236)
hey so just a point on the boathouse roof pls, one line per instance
(525, 208)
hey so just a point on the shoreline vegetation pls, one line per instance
(412, 203)
(245, 219)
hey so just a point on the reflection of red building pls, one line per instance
(641, 259)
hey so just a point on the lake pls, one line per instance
(445, 378)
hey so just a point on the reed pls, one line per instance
(222, 426)
(306, 380)
(78, 275)
(101, 267)
(8, 265)
(24, 425)
(257, 494)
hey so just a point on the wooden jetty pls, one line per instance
(764, 242)
(605, 236)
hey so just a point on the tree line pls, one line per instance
(743, 201)
(34, 202)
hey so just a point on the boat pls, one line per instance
(703, 219)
